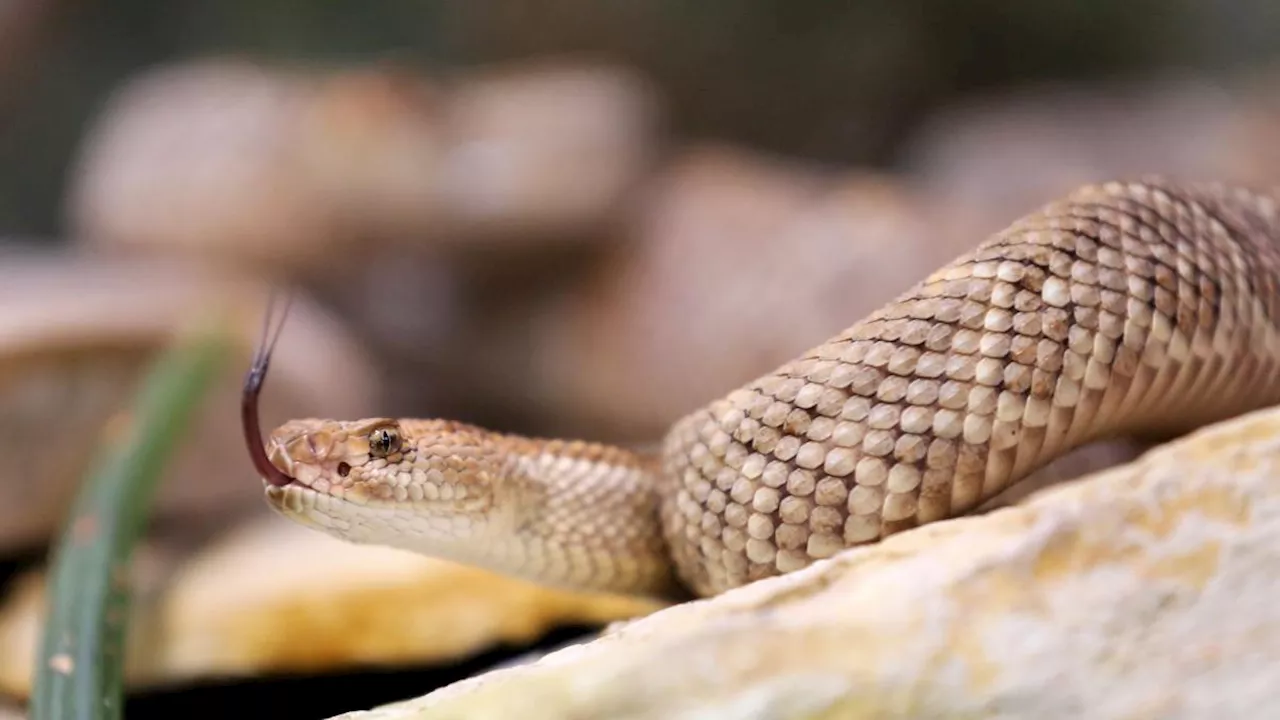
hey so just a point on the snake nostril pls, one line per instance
(343, 469)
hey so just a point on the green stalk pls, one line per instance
(79, 670)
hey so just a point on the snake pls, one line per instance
(1140, 308)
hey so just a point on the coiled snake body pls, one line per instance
(1124, 309)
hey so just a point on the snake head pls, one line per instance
(426, 485)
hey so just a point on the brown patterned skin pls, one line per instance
(1139, 309)
(562, 512)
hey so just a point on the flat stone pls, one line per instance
(279, 597)
(282, 165)
(272, 597)
(1146, 590)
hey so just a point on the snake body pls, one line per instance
(1140, 309)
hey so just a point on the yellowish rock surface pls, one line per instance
(275, 597)
(1148, 590)
(278, 596)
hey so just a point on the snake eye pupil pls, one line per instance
(383, 442)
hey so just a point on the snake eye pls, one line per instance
(383, 442)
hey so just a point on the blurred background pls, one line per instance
(557, 218)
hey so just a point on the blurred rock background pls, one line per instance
(557, 218)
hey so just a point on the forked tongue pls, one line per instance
(253, 388)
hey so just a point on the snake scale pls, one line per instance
(1140, 309)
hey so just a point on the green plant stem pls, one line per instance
(79, 669)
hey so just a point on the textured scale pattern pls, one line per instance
(1141, 309)
(541, 509)
(1127, 308)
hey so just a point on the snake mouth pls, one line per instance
(296, 502)
(307, 482)
(269, 484)
(293, 499)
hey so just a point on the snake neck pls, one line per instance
(586, 516)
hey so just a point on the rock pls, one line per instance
(536, 166)
(204, 157)
(244, 606)
(76, 335)
(309, 170)
(1147, 590)
(988, 158)
(273, 598)
(545, 153)
(1252, 136)
(735, 263)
